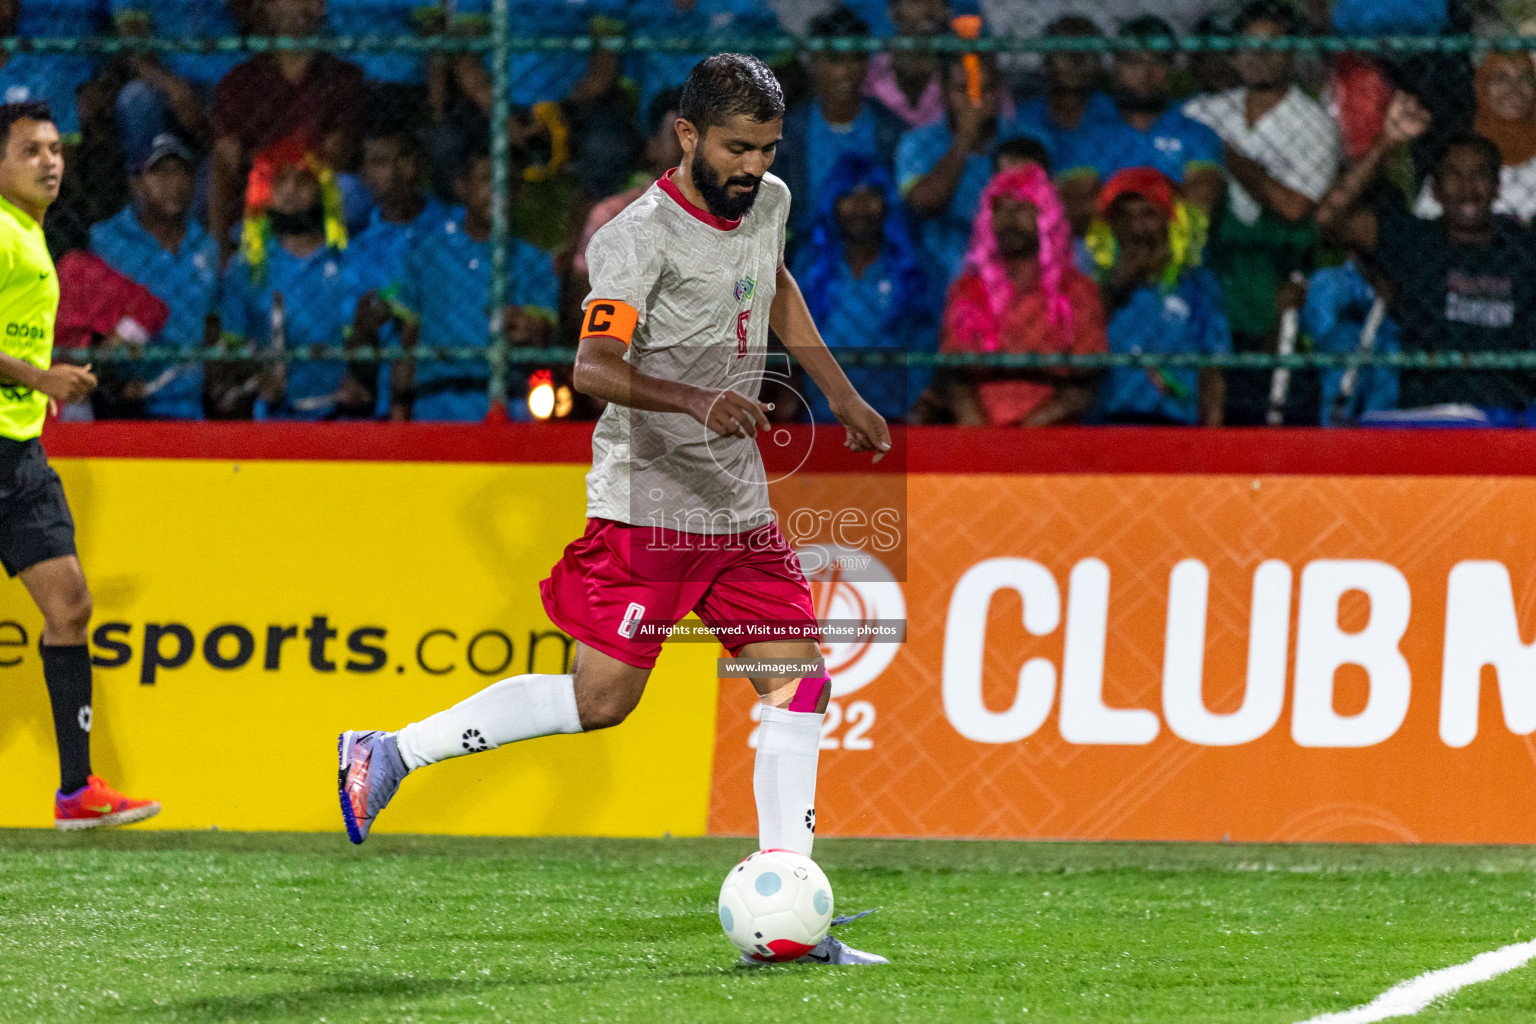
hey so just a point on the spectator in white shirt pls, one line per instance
(1282, 153)
(1282, 148)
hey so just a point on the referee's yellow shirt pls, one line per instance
(29, 302)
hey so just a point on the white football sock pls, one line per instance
(514, 709)
(784, 779)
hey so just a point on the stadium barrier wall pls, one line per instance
(1132, 634)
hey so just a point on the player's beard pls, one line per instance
(717, 190)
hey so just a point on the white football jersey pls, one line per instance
(701, 288)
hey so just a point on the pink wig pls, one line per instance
(1027, 183)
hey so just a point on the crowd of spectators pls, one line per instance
(1125, 199)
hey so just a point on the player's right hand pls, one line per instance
(65, 383)
(730, 413)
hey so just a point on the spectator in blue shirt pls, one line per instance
(943, 168)
(155, 242)
(836, 120)
(1389, 17)
(212, 19)
(1158, 300)
(392, 171)
(285, 292)
(1072, 105)
(1152, 131)
(52, 78)
(159, 93)
(402, 214)
(1341, 304)
(656, 70)
(557, 75)
(444, 299)
(61, 18)
(865, 286)
(591, 110)
(387, 19)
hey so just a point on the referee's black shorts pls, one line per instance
(35, 524)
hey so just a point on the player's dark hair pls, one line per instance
(1023, 147)
(10, 113)
(1273, 11)
(840, 22)
(730, 85)
(1485, 148)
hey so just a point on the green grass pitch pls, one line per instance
(151, 927)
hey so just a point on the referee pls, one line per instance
(37, 533)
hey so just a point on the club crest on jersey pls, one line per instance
(742, 319)
(745, 289)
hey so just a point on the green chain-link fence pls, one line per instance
(372, 210)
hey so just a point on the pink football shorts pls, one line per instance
(619, 588)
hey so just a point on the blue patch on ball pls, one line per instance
(726, 920)
(822, 901)
(768, 883)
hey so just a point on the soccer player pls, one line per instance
(37, 532)
(685, 284)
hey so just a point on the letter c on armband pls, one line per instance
(609, 318)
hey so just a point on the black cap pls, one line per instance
(166, 144)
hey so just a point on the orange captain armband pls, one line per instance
(609, 318)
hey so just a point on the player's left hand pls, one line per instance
(867, 431)
(65, 383)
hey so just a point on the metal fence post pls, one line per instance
(500, 158)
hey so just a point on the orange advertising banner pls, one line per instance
(1183, 657)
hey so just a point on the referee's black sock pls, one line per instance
(67, 671)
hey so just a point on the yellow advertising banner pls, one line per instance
(247, 612)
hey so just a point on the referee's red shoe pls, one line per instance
(98, 805)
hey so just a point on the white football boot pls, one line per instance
(837, 953)
(832, 951)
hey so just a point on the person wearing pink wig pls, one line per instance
(1019, 292)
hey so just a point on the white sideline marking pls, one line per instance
(1415, 994)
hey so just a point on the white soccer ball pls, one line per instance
(776, 905)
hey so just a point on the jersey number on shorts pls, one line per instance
(631, 619)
